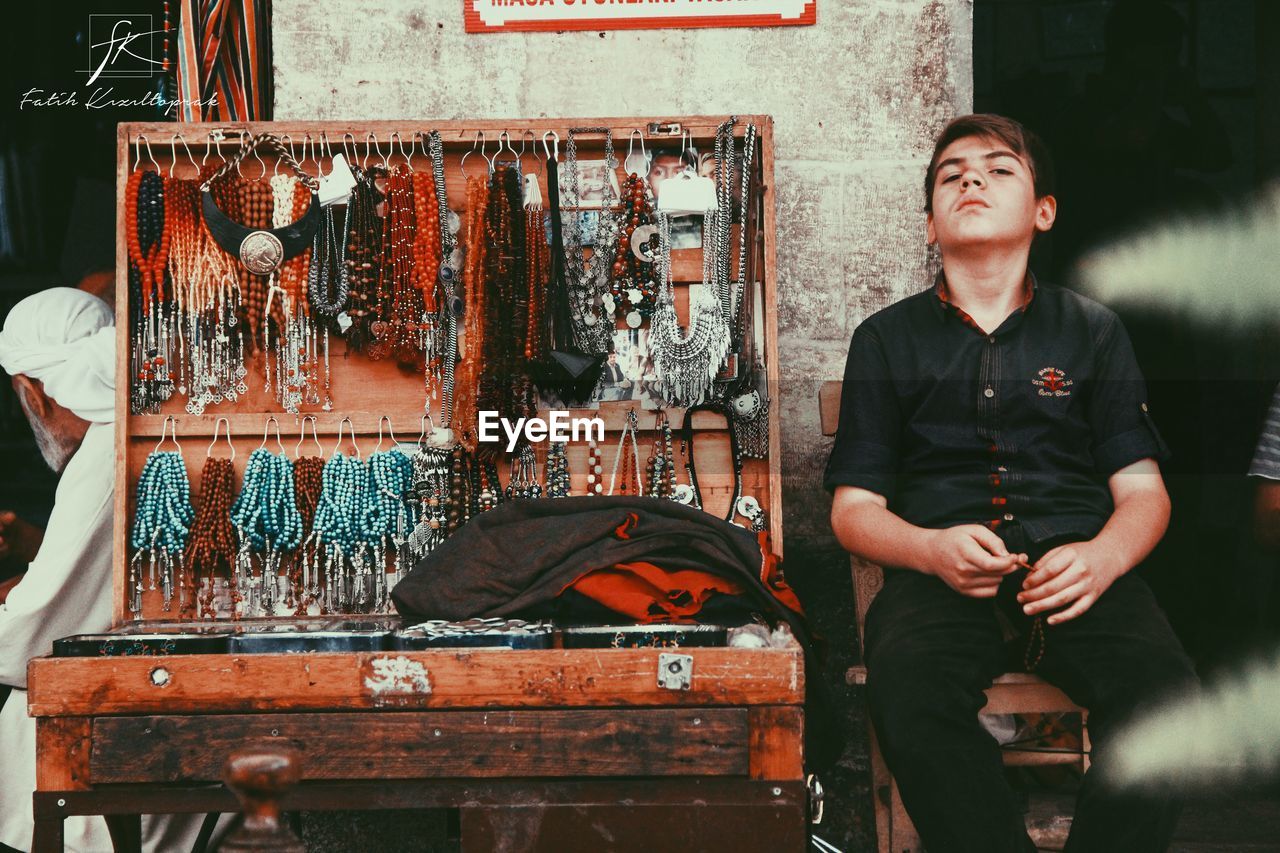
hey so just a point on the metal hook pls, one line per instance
(462, 164)
(644, 155)
(504, 138)
(524, 146)
(137, 143)
(302, 434)
(422, 427)
(347, 421)
(266, 427)
(354, 150)
(547, 150)
(163, 427)
(216, 424)
(173, 153)
(397, 142)
(688, 153)
(261, 162)
(390, 430)
(287, 141)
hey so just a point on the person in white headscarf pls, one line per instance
(59, 348)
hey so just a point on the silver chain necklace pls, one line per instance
(589, 282)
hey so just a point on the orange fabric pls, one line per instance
(623, 530)
(648, 593)
(771, 575)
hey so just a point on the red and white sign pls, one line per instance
(494, 16)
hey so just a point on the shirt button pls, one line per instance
(1008, 516)
(988, 393)
(991, 339)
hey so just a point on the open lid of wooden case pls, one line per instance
(379, 400)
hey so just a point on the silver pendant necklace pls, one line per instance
(686, 363)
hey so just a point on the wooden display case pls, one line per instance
(589, 738)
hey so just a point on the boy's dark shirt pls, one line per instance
(954, 426)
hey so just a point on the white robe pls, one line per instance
(67, 590)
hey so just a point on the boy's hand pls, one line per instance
(1072, 574)
(970, 559)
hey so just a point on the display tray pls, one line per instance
(475, 633)
(644, 636)
(386, 633)
(115, 645)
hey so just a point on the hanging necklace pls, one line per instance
(162, 521)
(686, 450)
(630, 460)
(589, 281)
(633, 289)
(431, 490)
(686, 363)
(523, 483)
(443, 367)
(261, 250)
(661, 467)
(557, 471)
(213, 544)
(148, 234)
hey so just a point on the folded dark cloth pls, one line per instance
(518, 558)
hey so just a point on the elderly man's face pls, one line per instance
(56, 445)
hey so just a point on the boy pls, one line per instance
(994, 443)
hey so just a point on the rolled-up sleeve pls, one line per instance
(1120, 419)
(865, 453)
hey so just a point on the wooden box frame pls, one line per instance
(116, 735)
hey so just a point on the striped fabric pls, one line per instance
(224, 52)
(1266, 459)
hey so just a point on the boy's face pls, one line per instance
(984, 195)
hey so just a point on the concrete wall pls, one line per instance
(856, 101)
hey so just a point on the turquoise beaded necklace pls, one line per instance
(162, 520)
(387, 519)
(266, 516)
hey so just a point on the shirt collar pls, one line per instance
(942, 299)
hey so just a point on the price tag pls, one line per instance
(336, 186)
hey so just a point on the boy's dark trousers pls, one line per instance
(931, 652)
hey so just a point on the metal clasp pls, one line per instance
(675, 672)
(658, 128)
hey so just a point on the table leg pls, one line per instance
(47, 837)
(126, 832)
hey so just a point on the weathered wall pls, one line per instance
(856, 100)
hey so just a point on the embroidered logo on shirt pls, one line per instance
(1053, 383)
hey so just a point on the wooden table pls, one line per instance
(549, 749)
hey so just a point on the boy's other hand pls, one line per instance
(970, 559)
(1071, 574)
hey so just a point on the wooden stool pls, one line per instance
(1012, 693)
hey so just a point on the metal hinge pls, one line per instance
(675, 672)
(660, 128)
